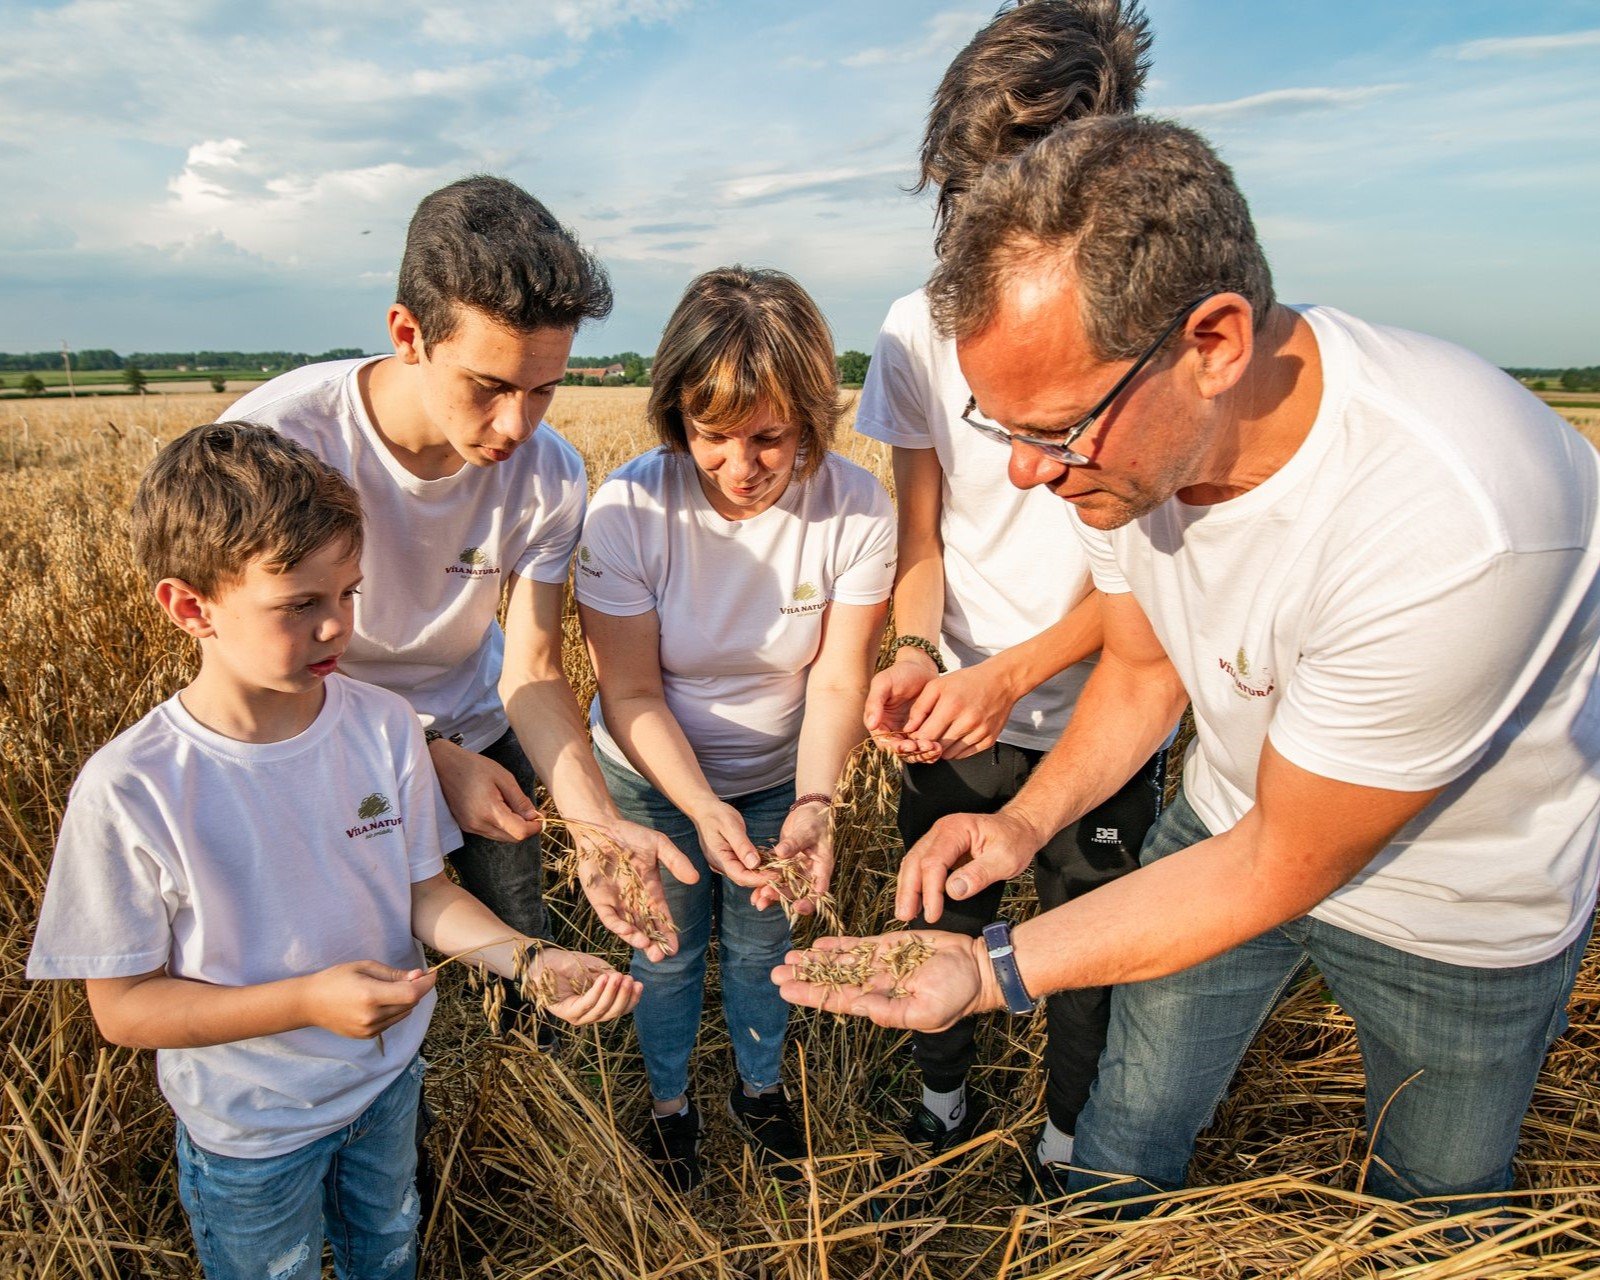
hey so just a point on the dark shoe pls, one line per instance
(928, 1136)
(672, 1144)
(1038, 1183)
(768, 1126)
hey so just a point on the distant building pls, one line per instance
(595, 374)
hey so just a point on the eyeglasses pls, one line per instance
(1060, 449)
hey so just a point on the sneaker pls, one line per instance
(672, 1144)
(768, 1126)
(928, 1136)
(1038, 1183)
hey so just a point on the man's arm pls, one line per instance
(1306, 836)
(554, 732)
(1125, 712)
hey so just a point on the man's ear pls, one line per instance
(189, 610)
(406, 334)
(1223, 332)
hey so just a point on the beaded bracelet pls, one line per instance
(926, 646)
(812, 797)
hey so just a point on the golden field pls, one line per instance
(534, 1177)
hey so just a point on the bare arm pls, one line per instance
(1127, 708)
(1306, 836)
(836, 689)
(626, 654)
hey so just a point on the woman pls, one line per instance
(732, 586)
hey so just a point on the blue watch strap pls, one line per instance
(1002, 955)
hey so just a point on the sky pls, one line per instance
(183, 174)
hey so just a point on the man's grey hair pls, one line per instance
(1142, 212)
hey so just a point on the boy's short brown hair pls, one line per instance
(742, 340)
(222, 495)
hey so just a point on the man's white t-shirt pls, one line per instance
(437, 552)
(740, 602)
(1412, 601)
(239, 863)
(1012, 566)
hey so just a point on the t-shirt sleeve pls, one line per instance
(866, 575)
(108, 900)
(1407, 691)
(894, 398)
(1102, 559)
(611, 573)
(430, 830)
(548, 555)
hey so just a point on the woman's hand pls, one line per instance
(807, 836)
(615, 894)
(726, 844)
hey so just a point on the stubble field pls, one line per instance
(536, 1177)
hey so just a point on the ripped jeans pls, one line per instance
(265, 1219)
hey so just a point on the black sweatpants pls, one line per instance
(1101, 846)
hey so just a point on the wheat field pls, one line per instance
(535, 1174)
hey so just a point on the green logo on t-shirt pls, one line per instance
(806, 591)
(374, 806)
(1242, 662)
(473, 556)
(583, 554)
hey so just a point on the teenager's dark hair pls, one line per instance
(1034, 66)
(222, 495)
(485, 243)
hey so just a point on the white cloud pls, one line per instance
(1281, 102)
(942, 36)
(769, 186)
(1523, 46)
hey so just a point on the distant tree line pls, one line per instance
(102, 358)
(1587, 379)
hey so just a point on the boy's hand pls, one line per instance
(484, 798)
(364, 998)
(612, 895)
(587, 988)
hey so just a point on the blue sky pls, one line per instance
(180, 174)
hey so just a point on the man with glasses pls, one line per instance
(991, 653)
(1371, 561)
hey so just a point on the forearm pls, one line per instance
(555, 733)
(1124, 713)
(654, 742)
(919, 592)
(179, 1013)
(447, 918)
(1079, 635)
(829, 732)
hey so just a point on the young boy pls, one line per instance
(473, 502)
(242, 876)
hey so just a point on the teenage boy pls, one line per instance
(242, 876)
(472, 501)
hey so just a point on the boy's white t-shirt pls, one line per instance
(437, 552)
(239, 863)
(740, 602)
(1012, 564)
(1412, 601)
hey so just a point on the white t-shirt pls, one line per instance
(437, 551)
(1412, 601)
(740, 602)
(239, 863)
(1012, 567)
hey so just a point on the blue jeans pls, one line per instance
(751, 943)
(1473, 1039)
(264, 1219)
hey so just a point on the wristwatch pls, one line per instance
(997, 940)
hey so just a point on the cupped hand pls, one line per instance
(586, 988)
(954, 980)
(890, 697)
(807, 837)
(631, 903)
